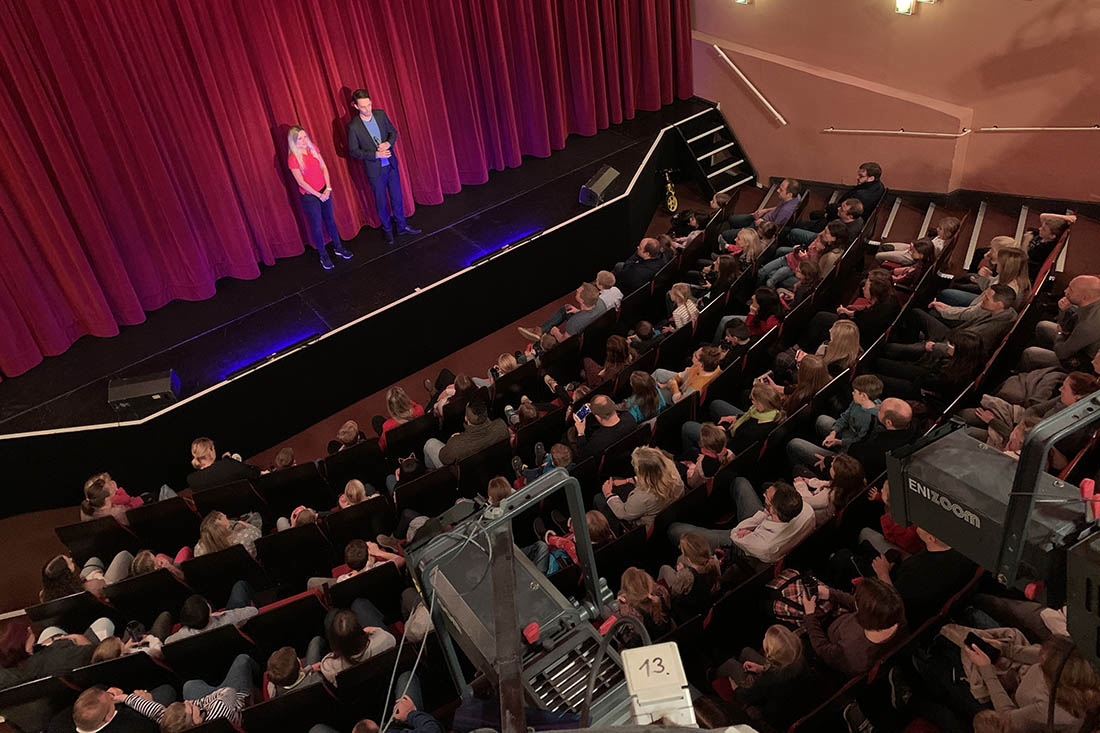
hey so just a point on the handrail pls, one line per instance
(903, 131)
(995, 128)
(750, 85)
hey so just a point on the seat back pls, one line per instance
(207, 656)
(474, 472)
(587, 473)
(165, 526)
(233, 499)
(214, 574)
(523, 380)
(295, 554)
(454, 412)
(292, 622)
(430, 494)
(292, 487)
(76, 611)
(363, 461)
(667, 427)
(594, 341)
(634, 307)
(682, 510)
(409, 438)
(31, 705)
(294, 712)
(563, 362)
(365, 520)
(132, 672)
(616, 459)
(102, 538)
(382, 585)
(364, 687)
(647, 362)
(675, 351)
(142, 597)
(621, 553)
(547, 430)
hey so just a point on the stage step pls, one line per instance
(721, 163)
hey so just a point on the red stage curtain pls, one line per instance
(144, 152)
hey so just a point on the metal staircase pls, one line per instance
(719, 157)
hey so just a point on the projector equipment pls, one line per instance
(133, 398)
(594, 192)
(485, 592)
(1006, 515)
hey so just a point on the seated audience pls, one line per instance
(869, 190)
(936, 377)
(788, 195)
(745, 427)
(287, 673)
(300, 517)
(693, 583)
(1073, 341)
(203, 703)
(765, 308)
(893, 430)
(52, 652)
(685, 311)
(853, 425)
(713, 455)
(923, 254)
(926, 579)
(765, 531)
(211, 471)
(849, 213)
(1008, 266)
(218, 532)
(570, 320)
(1039, 243)
(354, 636)
(869, 623)
(283, 459)
(656, 484)
(479, 433)
(989, 319)
(828, 497)
(348, 435)
(355, 492)
(898, 253)
(104, 498)
(617, 355)
(604, 427)
(702, 371)
(646, 600)
(647, 398)
(196, 615)
(773, 682)
(611, 296)
(401, 409)
(640, 268)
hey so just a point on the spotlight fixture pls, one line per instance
(905, 7)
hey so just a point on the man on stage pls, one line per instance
(371, 136)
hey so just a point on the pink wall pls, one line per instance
(954, 64)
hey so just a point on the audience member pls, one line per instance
(869, 623)
(196, 615)
(646, 600)
(702, 371)
(828, 497)
(1074, 340)
(926, 579)
(788, 194)
(693, 583)
(773, 682)
(570, 320)
(640, 268)
(611, 296)
(401, 409)
(647, 398)
(217, 532)
(656, 484)
(602, 429)
(898, 253)
(479, 433)
(211, 471)
(354, 636)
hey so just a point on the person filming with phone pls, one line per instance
(599, 426)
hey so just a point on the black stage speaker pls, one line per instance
(594, 192)
(133, 398)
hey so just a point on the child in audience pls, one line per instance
(599, 533)
(300, 517)
(827, 498)
(644, 337)
(60, 577)
(560, 456)
(693, 583)
(713, 455)
(641, 597)
(408, 469)
(808, 276)
(146, 562)
(837, 436)
(197, 616)
(348, 435)
(218, 532)
(283, 459)
(898, 253)
(355, 492)
(401, 409)
(647, 398)
(774, 683)
(923, 254)
(287, 673)
(354, 636)
(734, 344)
(811, 377)
(100, 494)
(203, 703)
(685, 309)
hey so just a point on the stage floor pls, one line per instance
(246, 320)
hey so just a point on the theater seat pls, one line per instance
(213, 575)
(133, 672)
(73, 612)
(142, 597)
(363, 521)
(382, 585)
(207, 656)
(292, 622)
(293, 712)
(31, 705)
(102, 538)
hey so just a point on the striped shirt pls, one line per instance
(225, 703)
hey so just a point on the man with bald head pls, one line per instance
(603, 427)
(1073, 341)
(641, 267)
(894, 429)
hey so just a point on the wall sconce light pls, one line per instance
(743, 2)
(905, 7)
(927, 2)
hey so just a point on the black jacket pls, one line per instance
(871, 451)
(222, 471)
(362, 146)
(869, 194)
(637, 272)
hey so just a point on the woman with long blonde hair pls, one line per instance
(693, 583)
(656, 484)
(1012, 271)
(315, 187)
(217, 532)
(773, 682)
(841, 351)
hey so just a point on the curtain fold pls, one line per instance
(145, 140)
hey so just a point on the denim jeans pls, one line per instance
(243, 675)
(366, 612)
(431, 453)
(951, 296)
(241, 595)
(736, 223)
(745, 498)
(556, 318)
(389, 181)
(318, 215)
(803, 452)
(689, 433)
(801, 236)
(768, 269)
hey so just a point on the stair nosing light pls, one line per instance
(716, 150)
(723, 170)
(708, 132)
